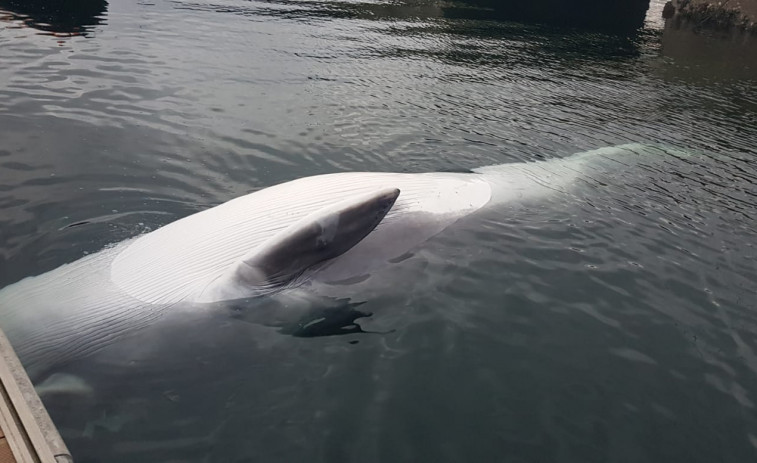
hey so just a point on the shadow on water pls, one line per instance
(324, 317)
(66, 17)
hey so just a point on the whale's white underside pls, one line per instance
(176, 262)
(80, 307)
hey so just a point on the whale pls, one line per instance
(313, 233)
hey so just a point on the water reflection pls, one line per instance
(472, 33)
(699, 54)
(55, 18)
(611, 16)
(307, 10)
(621, 18)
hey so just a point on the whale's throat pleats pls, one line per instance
(183, 259)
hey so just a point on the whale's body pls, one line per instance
(80, 307)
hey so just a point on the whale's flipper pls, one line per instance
(63, 384)
(327, 233)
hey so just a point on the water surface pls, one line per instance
(615, 323)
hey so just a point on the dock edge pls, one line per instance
(29, 430)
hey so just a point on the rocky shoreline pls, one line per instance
(740, 15)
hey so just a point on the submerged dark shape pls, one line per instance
(319, 317)
(57, 17)
(327, 322)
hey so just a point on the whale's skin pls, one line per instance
(81, 307)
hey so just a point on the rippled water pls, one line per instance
(615, 323)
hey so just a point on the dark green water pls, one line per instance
(616, 324)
